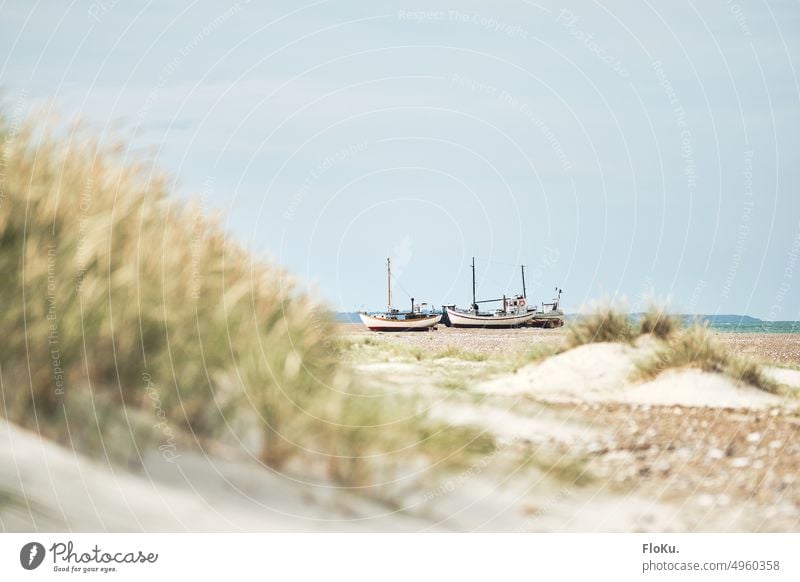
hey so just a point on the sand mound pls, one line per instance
(541, 426)
(784, 376)
(45, 487)
(602, 372)
(588, 372)
(697, 388)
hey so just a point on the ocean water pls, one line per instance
(756, 326)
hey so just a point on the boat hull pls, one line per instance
(460, 319)
(548, 320)
(384, 324)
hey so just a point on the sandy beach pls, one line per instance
(704, 451)
(781, 348)
(579, 444)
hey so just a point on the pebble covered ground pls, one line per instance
(484, 341)
(780, 348)
(711, 459)
(706, 459)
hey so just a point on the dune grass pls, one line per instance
(602, 324)
(370, 348)
(111, 285)
(607, 324)
(459, 354)
(678, 346)
(696, 347)
(657, 322)
(131, 320)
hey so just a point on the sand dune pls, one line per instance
(602, 372)
(580, 446)
(45, 487)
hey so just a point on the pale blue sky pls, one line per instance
(639, 147)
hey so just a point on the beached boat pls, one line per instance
(513, 313)
(399, 321)
(395, 320)
(495, 319)
(550, 315)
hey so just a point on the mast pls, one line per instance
(474, 303)
(524, 294)
(389, 284)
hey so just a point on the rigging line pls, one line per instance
(403, 289)
(494, 262)
(399, 284)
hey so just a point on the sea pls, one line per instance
(743, 324)
(756, 326)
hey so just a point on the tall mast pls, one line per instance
(388, 284)
(474, 304)
(524, 294)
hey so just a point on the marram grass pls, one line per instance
(658, 322)
(123, 309)
(676, 346)
(602, 324)
(695, 347)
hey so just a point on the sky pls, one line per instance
(626, 151)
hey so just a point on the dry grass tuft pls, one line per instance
(657, 322)
(460, 354)
(111, 284)
(696, 347)
(604, 324)
(679, 346)
(129, 319)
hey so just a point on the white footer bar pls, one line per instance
(401, 557)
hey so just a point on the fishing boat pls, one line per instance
(395, 320)
(513, 312)
(550, 315)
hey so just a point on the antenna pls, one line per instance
(389, 284)
(474, 303)
(524, 294)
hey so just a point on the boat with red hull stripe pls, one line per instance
(381, 322)
(396, 320)
(513, 313)
(459, 318)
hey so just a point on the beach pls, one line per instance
(573, 440)
(783, 348)
(775, 347)
(686, 451)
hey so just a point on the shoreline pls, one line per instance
(775, 348)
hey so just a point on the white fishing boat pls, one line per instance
(513, 313)
(498, 319)
(399, 322)
(395, 320)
